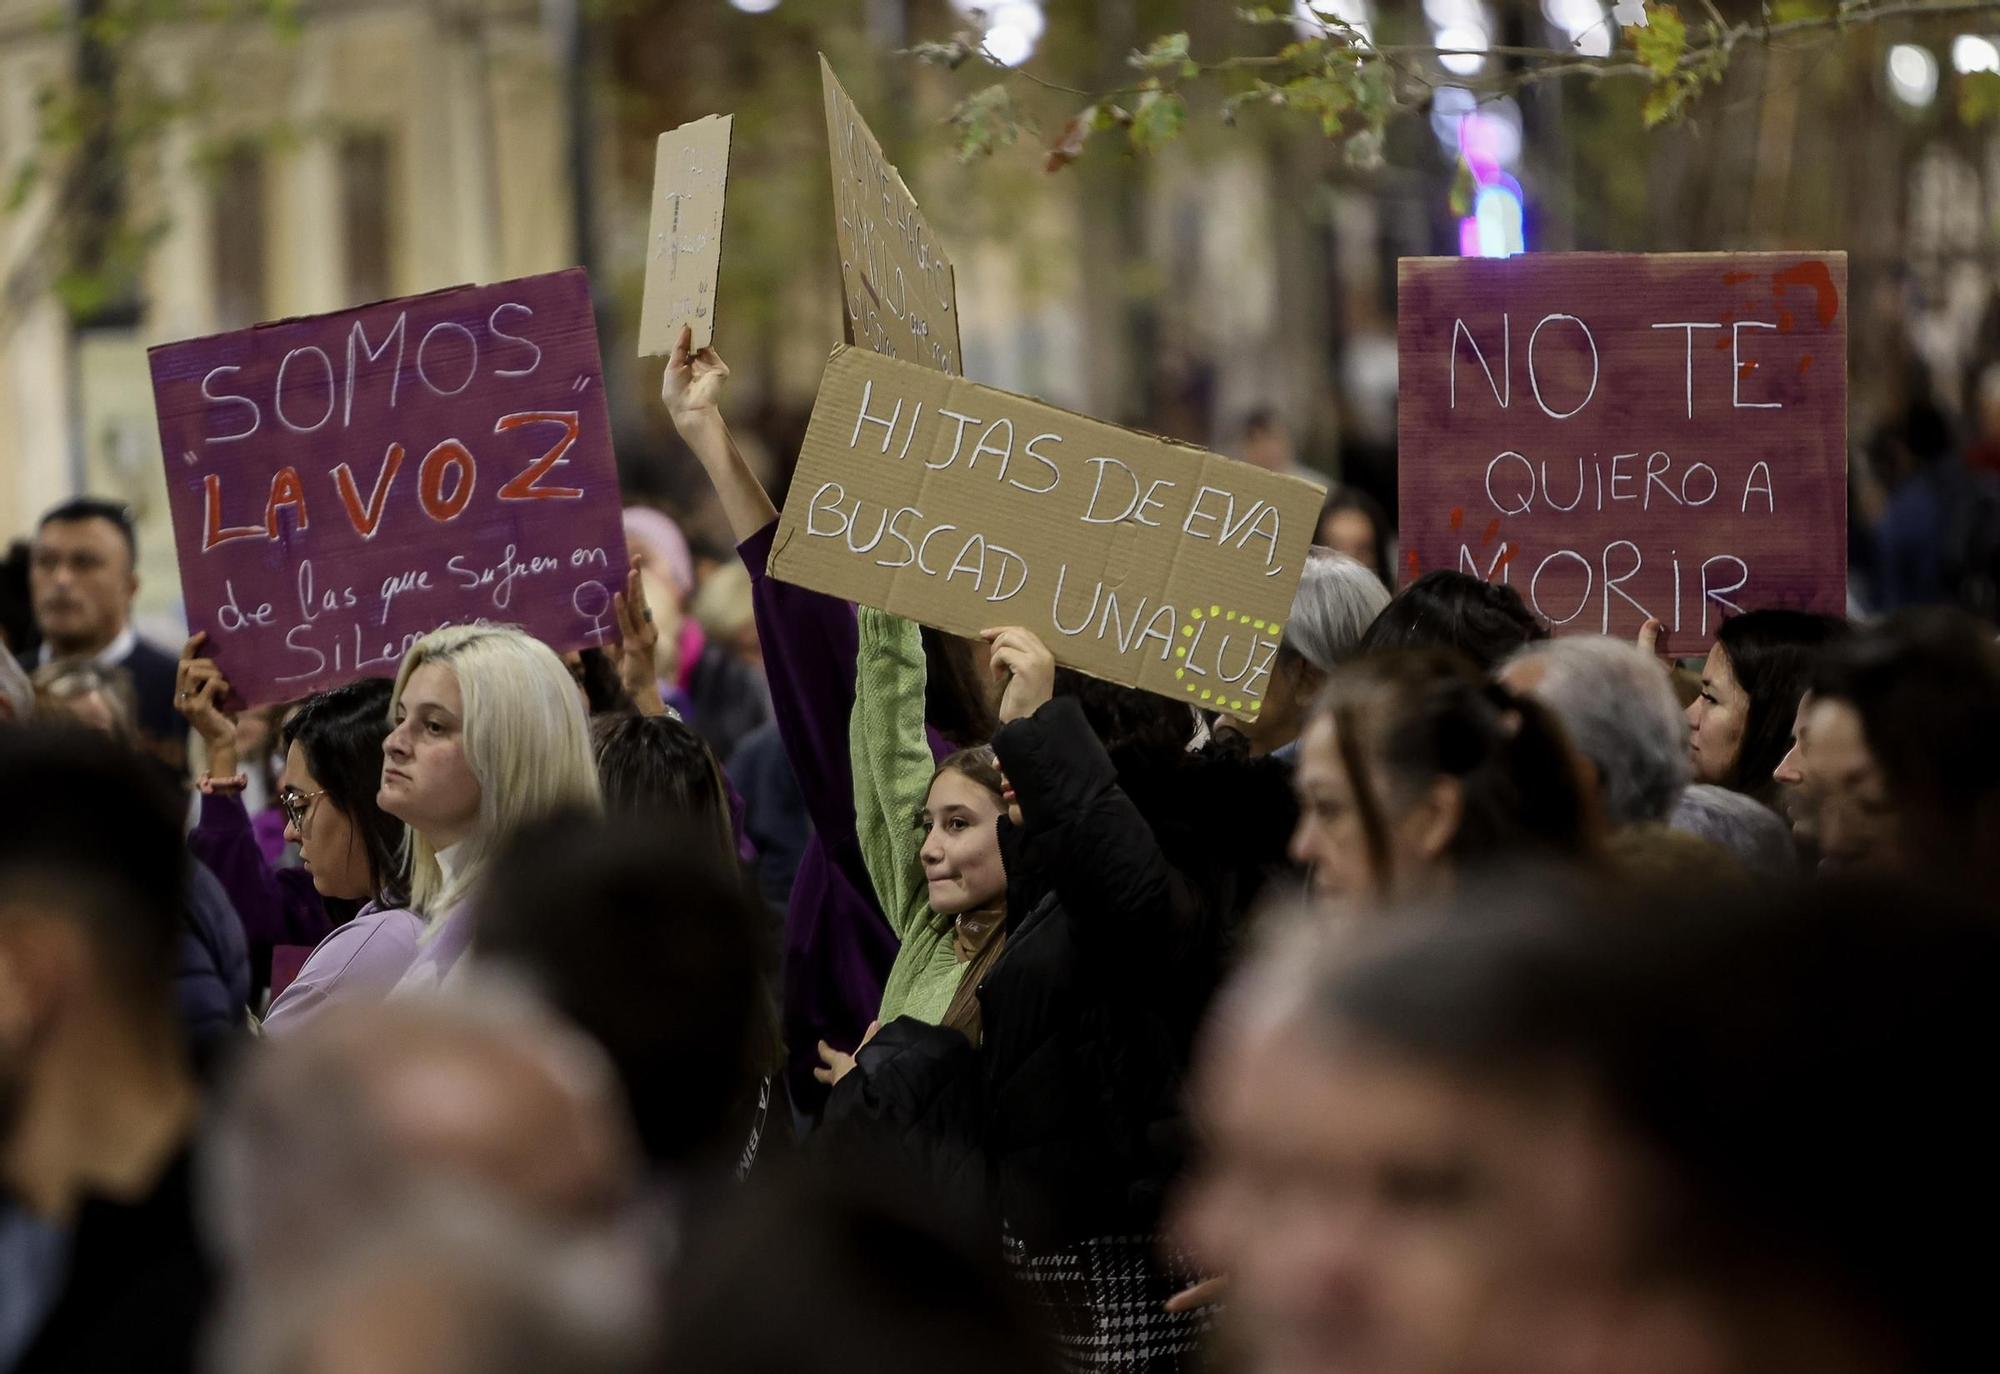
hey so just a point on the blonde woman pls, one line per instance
(487, 734)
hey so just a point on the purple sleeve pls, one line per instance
(360, 962)
(277, 906)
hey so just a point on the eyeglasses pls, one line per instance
(297, 805)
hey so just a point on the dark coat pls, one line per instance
(1067, 1121)
(212, 985)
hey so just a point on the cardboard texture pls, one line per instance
(343, 484)
(1137, 559)
(684, 246)
(899, 287)
(1617, 435)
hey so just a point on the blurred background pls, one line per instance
(177, 167)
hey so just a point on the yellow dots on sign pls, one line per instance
(1215, 610)
(1181, 652)
(1206, 694)
(1255, 706)
(1235, 705)
(1187, 632)
(1231, 617)
(1256, 624)
(1179, 673)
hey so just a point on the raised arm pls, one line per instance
(276, 906)
(1078, 827)
(892, 762)
(692, 389)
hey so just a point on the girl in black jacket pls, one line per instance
(1064, 1123)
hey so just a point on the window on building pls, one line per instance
(365, 207)
(240, 241)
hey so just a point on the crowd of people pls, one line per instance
(789, 986)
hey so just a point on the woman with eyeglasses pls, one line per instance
(350, 850)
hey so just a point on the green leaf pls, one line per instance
(1662, 41)
(1979, 97)
(1462, 189)
(1261, 14)
(1168, 53)
(986, 120)
(1785, 11)
(23, 184)
(1158, 120)
(950, 55)
(1665, 101)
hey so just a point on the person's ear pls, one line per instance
(1433, 822)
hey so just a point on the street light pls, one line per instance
(1913, 75)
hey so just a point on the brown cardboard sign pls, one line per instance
(684, 245)
(899, 287)
(1618, 435)
(1137, 559)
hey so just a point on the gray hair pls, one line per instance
(1748, 829)
(1619, 711)
(1338, 598)
(460, 1284)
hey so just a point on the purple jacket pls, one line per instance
(359, 962)
(838, 945)
(278, 906)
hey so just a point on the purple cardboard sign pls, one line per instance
(1620, 436)
(343, 484)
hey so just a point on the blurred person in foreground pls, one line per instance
(454, 1286)
(213, 986)
(818, 1274)
(1413, 770)
(334, 1132)
(660, 958)
(98, 1102)
(83, 577)
(1621, 717)
(1337, 599)
(1485, 621)
(1522, 1137)
(1905, 750)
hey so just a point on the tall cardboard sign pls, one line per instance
(898, 286)
(684, 244)
(1136, 559)
(1619, 436)
(342, 485)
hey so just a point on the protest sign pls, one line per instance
(344, 484)
(898, 285)
(1137, 559)
(684, 246)
(1619, 436)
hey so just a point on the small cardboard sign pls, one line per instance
(1137, 559)
(899, 287)
(342, 485)
(1625, 435)
(684, 246)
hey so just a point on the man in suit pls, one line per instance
(82, 578)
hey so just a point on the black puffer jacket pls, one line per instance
(1066, 1122)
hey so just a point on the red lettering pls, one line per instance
(286, 490)
(447, 456)
(523, 488)
(366, 519)
(213, 531)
